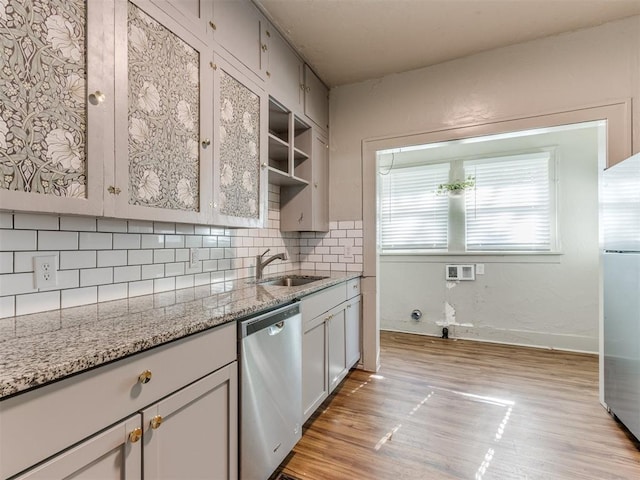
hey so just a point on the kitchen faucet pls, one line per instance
(260, 264)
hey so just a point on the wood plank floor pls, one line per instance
(454, 409)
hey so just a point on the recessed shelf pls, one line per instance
(278, 177)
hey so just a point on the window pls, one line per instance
(511, 208)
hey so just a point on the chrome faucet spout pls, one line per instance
(260, 264)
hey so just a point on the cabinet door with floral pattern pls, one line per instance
(54, 104)
(240, 112)
(162, 118)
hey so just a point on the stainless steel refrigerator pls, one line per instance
(620, 203)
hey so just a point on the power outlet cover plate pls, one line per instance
(45, 271)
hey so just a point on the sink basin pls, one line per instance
(291, 280)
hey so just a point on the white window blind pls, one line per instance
(510, 207)
(412, 215)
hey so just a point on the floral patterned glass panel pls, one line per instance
(163, 116)
(43, 97)
(239, 194)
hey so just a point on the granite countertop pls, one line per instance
(44, 347)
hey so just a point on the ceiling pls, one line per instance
(347, 41)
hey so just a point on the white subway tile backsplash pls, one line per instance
(112, 258)
(6, 262)
(338, 233)
(185, 228)
(224, 241)
(137, 289)
(345, 225)
(140, 257)
(174, 241)
(78, 296)
(354, 233)
(16, 283)
(215, 253)
(114, 291)
(66, 279)
(96, 276)
(164, 255)
(7, 306)
(127, 274)
(193, 241)
(14, 240)
(77, 259)
(96, 241)
(182, 255)
(160, 227)
(48, 240)
(6, 220)
(174, 269)
(126, 241)
(152, 271)
(111, 225)
(78, 224)
(185, 281)
(140, 226)
(152, 241)
(37, 302)
(30, 221)
(202, 230)
(203, 279)
(164, 285)
(357, 224)
(209, 265)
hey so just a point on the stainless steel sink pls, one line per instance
(291, 280)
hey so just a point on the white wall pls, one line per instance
(560, 73)
(542, 300)
(591, 67)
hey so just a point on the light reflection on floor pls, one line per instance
(488, 457)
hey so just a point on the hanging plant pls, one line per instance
(456, 187)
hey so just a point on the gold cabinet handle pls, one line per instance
(135, 435)
(212, 25)
(156, 421)
(113, 190)
(213, 65)
(315, 184)
(145, 377)
(206, 142)
(97, 97)
(268, 74)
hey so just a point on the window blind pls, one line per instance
(412, 215)
(510, 206)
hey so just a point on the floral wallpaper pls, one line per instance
(239, 136)
(43, 97)
(163, 116)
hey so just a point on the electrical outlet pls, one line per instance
(480, 268)
(45, 271)
(194, 257)
(348, 252)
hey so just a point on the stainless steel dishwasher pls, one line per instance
(270, 390)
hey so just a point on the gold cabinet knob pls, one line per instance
(212, 25)
(264, 47)
(264, 165)
(135, 435)
(213, 65)
(268, 74)
(145, 377)
(113, 190)
(206, 142)
(156, 421)
(315, 184)
(97, 97)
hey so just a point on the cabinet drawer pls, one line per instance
(65, 412)
(318, 303)
(353, 287)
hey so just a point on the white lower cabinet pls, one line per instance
(108, 455)
(179, 402)
(191, 434)
(330, 341)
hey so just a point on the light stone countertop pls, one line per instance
(40, 348)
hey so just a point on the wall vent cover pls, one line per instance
(460, 272)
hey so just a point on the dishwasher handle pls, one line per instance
(276, 328)
(267, 320)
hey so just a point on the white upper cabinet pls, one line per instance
(163, 124)
(285, 72)
(194, 15)
(55, 104)
(239, 28)
(316, 99)
(240, 110)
